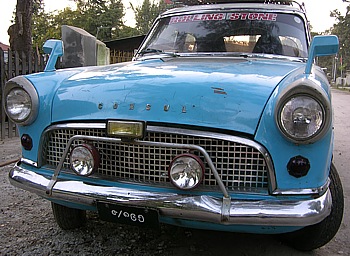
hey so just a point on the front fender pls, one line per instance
(282, 150)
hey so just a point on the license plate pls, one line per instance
(137, 216)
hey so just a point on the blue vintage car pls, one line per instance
(222, 121)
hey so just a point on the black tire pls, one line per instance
(68, 218)
(315, 236)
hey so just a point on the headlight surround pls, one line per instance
(20, 101)
(303, 112)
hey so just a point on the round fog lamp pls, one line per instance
(84, 159)
(186, 171)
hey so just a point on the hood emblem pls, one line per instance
(148, 107)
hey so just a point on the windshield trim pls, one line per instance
(240, 55)
(227, 8)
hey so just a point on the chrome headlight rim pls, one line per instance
(22, 84)
(305, 88)
(198, 172)
(86, 161)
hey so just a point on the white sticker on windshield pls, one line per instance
(297, 20)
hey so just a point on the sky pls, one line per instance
(317, 11)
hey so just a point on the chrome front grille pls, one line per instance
(240, 166)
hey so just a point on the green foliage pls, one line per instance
(146, 14)
(342, 30)
(337, 65)
(102, 17)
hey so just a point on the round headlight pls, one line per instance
(18, 105)
(186, 171)
(84, 159)
(301, 118)
(21, 101)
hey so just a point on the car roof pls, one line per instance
(209, 5)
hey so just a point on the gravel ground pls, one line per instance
(27, 226)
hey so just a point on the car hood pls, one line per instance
(226, 93)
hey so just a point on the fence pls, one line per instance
(14, 64)
(120, 56)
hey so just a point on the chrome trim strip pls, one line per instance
(76, 126)
(29, 162)
(312, 191)
(269, 212)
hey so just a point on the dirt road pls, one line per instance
(27, 226)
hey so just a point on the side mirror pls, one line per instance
(55, 49)
(321, 46)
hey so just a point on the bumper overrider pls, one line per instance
(279, 211)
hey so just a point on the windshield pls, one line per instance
(239, 32)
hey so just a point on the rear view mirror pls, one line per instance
(55, 49)
(321, 46)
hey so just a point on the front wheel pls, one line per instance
(68, 218)
(315, 236)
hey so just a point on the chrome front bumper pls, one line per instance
(277, 212)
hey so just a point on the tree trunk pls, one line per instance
(21, 32)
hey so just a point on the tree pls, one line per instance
(102, 16)
(48, 25)
(337, 65)
(21, 31)
(342, 30)
(146, 14)
(41, 27)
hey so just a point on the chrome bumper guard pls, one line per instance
(277, 212)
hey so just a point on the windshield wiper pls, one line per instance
(151, 50)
